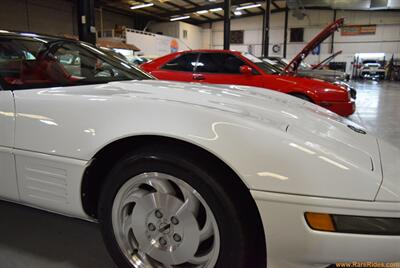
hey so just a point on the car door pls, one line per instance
(178, 69)
(225, 68)
(8, 66)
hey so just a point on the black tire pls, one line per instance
(239, 243)
(301, 96)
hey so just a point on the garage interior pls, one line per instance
(369, 43)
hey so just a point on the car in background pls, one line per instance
(306, 70)
(190, 175)
(233, 67)
(372, 69)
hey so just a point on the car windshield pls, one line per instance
(281, 63)
(39, 62)
(265, 66)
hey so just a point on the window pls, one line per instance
(237, 37)
(185, 34)
(219, 63)
(183, 63)
(297, 35)
(35, 63)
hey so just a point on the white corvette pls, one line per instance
(188, 175)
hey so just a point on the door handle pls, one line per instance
(198, 77)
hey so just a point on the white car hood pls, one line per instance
(274, 108)
(322, 128)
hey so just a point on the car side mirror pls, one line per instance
(244, 69)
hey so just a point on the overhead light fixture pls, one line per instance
(237, 13)
(202, 12)
(216, 9)
(142, 6)
(179, 18)
(249, 6)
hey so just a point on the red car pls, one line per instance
(232, 67)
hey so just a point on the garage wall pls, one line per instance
(50, 17)
(194, 35)
(386, 39)
(110, 19)
(194, 38)
(55, 17)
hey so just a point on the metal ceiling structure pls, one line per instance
(200, 11)
(206, 11)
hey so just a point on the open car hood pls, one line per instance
(327, 60)
(318, 39)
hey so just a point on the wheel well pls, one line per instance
(102, 163)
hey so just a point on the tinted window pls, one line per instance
(219, 63)
(183, 63)
(35, 63)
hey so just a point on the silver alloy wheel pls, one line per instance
(161, 221)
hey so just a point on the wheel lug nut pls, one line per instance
(162, 241)
(158, 214)
(174, 220)
(177, 238)
(151, 227)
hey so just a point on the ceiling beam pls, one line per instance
(275, 4)
(206, 7)
(154, 6)
(182, 8)
(128, 12)
(166, 14)
(246, 15)
(191, 2)
(278, 10)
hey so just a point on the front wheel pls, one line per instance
(161, 210)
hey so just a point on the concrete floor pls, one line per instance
(31, 238)
(378, 109)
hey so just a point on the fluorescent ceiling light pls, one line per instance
(179, 18)
(202, 12)
(215, 9)
(142, 6)
(248, 6)
(237, 13)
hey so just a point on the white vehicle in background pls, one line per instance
(372, 69)
(189, 175)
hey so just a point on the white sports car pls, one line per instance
(189, 175)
